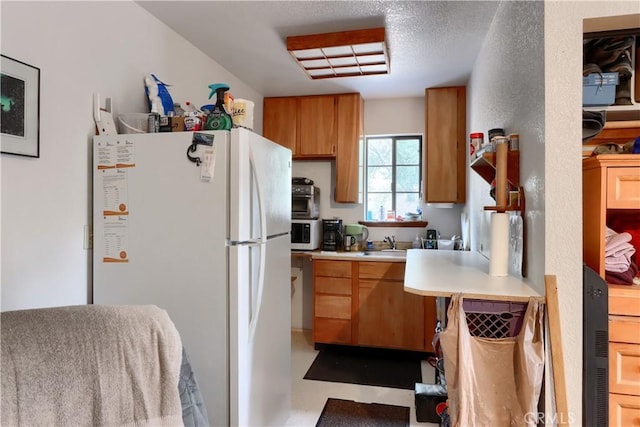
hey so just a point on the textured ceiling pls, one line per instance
(430, 43)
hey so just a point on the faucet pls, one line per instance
(391, 241)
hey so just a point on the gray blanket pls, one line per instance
(90, 366)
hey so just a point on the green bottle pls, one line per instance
(219, 118)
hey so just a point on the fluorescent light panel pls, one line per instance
(341, 54)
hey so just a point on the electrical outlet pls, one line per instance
(87, 241)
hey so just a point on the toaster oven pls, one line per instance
(305, 201)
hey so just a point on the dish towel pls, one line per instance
(617, 251)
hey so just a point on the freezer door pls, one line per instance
(260, 336)
(176, 230)
(260, 187)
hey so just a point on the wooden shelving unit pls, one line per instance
(503, 167)
(618, 132)
(486, 167)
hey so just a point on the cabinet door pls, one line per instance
(389, 317)
(445, 147)
(317, 126)
(280, 121)
(349, 158)
(623, 188)
(624, 410)
(624, 368)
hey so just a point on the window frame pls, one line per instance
(394, 166)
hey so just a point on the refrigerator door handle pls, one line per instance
(255, 311)
(244, 242)
(255, 315)
(261, 203)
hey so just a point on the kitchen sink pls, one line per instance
(386, 253)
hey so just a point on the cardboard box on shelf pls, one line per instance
(172, 124)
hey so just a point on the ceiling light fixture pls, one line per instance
(341, 54)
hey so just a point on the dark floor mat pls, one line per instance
(394, 369)
(338, 412)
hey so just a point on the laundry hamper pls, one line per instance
(494, 361)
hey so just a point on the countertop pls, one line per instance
(444, 273)
(359, 256)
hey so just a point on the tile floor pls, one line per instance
(308, 397)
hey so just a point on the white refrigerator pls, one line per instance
(203, 231)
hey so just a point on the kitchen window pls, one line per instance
(393, 175)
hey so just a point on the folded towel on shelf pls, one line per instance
(617, 267)
(627, 222)
(618, 251)
(616, 242)
(626, 251)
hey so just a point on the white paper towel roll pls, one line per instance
(499, 260)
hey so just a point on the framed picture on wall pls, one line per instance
(20, 112)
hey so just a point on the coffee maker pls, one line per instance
(331, 234)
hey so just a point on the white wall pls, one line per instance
(80, 48)
(506, 90)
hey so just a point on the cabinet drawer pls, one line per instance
(332, 268)
(624, 411)
(624, 368)
(624, 300)
(332, 331)
(623, 188)
(335, 307)
(333, 285)
(625, 329)
(382, 270)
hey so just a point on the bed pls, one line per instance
(94, 365)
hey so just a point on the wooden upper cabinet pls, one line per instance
(445, 145)
(350, 136)
(280, 121)
(317, 126)
(305, 124)
(322, 127)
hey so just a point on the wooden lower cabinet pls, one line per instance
(332, 291)
(370, 307)
(624, 410)
(624, 355)
(389, 317)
